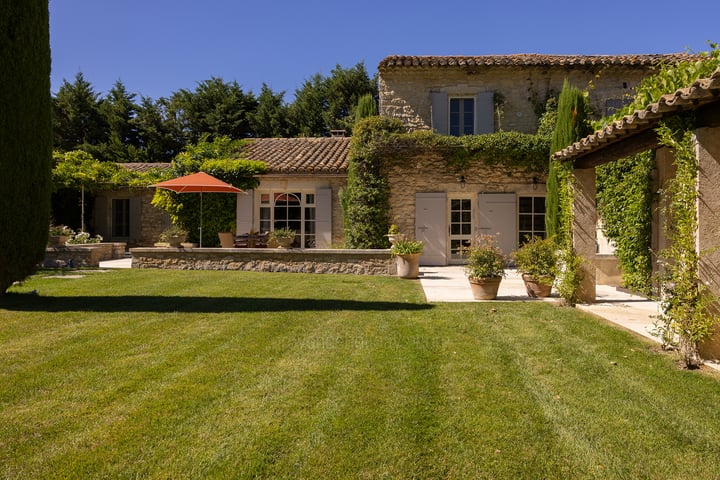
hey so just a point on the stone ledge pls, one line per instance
(311, 260)
(82, 255)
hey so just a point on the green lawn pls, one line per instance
(183, 374)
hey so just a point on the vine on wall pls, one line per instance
(625, 198)
(686, 318)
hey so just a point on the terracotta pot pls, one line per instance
(485, 288)
(284, 242)
(408, 265)
(227, 239)
(536, 288)
(57, 240)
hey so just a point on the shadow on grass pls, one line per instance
(185, 304)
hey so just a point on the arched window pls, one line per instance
(295, 210)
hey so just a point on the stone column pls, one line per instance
(583, 235)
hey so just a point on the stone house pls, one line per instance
(448, 95)
(477, 95)
(300, 190)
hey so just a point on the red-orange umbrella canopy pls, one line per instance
(198, 183)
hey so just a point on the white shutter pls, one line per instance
(484, 113)
(439, 112)
(323, 218)
(244, 213)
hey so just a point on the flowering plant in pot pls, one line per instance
(282, 237)
(537, 261)
(174, 236)
(59, 234)
(407, 253)
(485, 266)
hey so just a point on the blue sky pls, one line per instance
(157, 47)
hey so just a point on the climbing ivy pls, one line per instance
(624, 199)
(685, 301)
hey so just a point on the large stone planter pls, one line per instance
(485, 288)
(537, 287)
(408, 265)
(57, 240)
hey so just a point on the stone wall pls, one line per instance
(426, 171)
(405, 92)
(89, 255)
(356, 262)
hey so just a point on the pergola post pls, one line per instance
(583, 234)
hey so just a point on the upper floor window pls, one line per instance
(462, 116)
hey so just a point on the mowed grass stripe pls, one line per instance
(244, 375)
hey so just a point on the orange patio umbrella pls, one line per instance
(198, 183)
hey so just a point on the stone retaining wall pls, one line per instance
(87, 255)
(345, 261)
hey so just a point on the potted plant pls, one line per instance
(282, 237)
(59, 234)
(485, 267)
(407, 252)
(394, 234)
(537, 261)
(174, 236)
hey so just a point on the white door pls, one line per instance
(460, 227)
(497, 214)
(430, 227)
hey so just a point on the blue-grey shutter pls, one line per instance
(484, 113)
(439, 112)
(323, 218)
(244, 215)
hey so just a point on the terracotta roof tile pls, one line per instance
(701, 92)
(325, 155)
(527, 59)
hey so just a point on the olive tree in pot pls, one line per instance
(407, 252)
(485, 267)
(537, 261)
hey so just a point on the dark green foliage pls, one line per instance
(366, 200)
(77, 119)
(215, 108)
(25, 137)
(571, 125)
(270, 119)
(329, 103)
(624, 200)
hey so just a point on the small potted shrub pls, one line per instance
(394, 234)
(59, 234)
(485, 267)
(537, 261)
(174, 236)
(407, 252)
(282, 237)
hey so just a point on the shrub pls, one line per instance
(537, 257)
(485, 258)
(407, 247)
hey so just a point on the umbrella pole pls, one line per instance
(201, 209)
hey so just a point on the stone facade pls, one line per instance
(520, 92)
(331, 261)
(426, 171)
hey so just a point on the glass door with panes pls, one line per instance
(461, 227)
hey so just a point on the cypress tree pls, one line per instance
(571, 125)
(25, 137)
(366, 107)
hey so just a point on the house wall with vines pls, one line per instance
(520, 92)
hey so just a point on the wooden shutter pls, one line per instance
(484, 113)
(439, 112)
(323, 218)
(244, 214)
